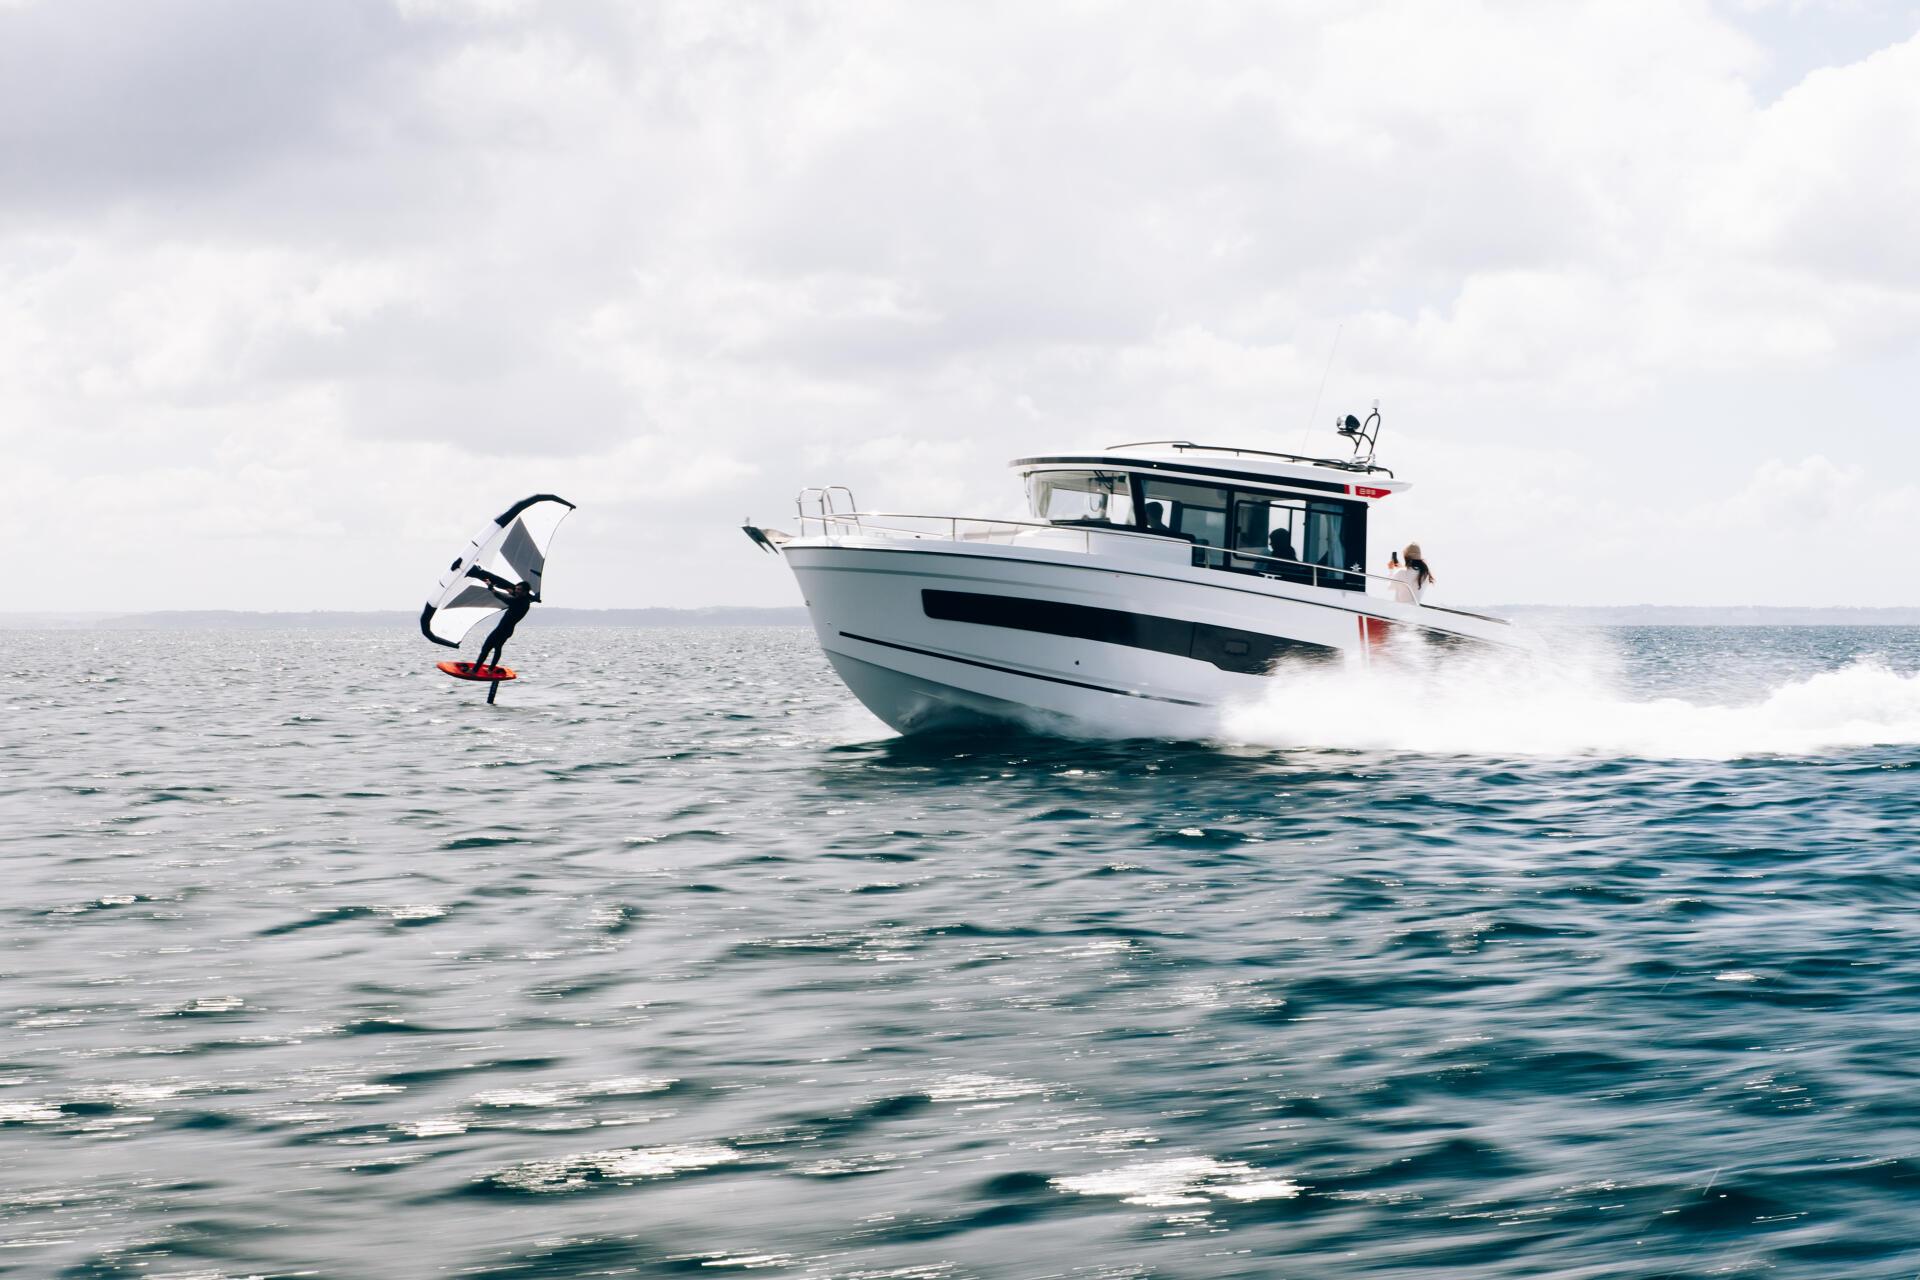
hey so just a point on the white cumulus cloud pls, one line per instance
(290, 294)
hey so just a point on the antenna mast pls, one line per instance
(1315, 411)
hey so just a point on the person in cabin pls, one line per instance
(1156, 517)
(518, 597)
(1413, 577)
(1280, 547)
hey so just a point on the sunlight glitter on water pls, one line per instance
(573, 1173)
(1183, 1180)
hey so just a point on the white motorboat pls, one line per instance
(1153, 583)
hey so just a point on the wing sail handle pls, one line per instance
(513, 548)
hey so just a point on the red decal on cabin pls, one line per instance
(1365, 491)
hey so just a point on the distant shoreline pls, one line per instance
(1683, 615)
(383, 620)
(749, 616)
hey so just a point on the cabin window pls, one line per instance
(1195, 512)
(1256, 519)
(1326, 540)
(1081, 497)
(1317, 536)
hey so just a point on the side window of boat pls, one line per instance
(1336, 536)
(1256, 519)
(1081, 497)
(1197, 511)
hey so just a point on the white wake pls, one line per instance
(1570, 704)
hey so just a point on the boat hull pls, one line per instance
(942, 634)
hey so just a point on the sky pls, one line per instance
(294, 297)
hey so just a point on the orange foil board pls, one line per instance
(468, 671)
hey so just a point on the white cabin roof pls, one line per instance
(1223, 464)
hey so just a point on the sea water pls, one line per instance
(674, 962)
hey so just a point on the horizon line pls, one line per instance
(553, 611)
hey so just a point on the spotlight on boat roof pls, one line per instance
(1358, 433)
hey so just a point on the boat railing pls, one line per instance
(1303, 572)
(821, 496)
(1322, 575)
(828, 522)
(887, 524)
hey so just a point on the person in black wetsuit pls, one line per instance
(518, 599)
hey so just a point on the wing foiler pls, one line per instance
(511, 549)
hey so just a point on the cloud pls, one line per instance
(1819, 176)
(412, 258)
(107, 103)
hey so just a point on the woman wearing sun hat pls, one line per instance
(1412, 577)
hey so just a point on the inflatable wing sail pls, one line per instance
(511, 549)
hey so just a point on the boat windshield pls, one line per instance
(1081, 497)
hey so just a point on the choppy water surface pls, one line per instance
(673, 962)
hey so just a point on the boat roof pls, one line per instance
(1225, 462)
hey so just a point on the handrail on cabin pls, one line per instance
(1336, 463)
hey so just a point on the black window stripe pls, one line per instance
(1228, 648)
